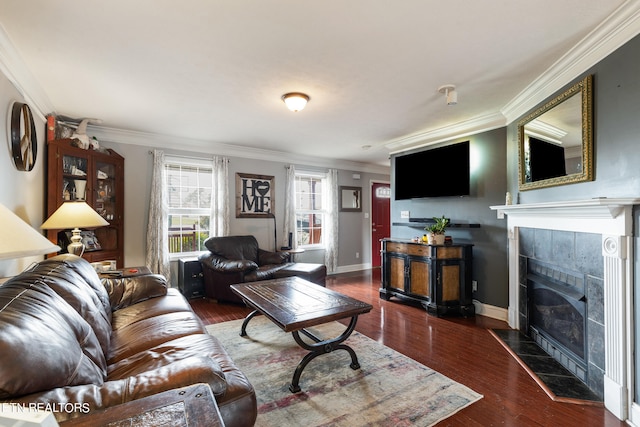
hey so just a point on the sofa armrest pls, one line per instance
(223, 265)
(268, 257)
(127, 291)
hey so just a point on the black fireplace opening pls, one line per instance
(557, 313)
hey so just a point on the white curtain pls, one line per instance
(219, 225)
(290, 207)
(157, 258)
(331, 225)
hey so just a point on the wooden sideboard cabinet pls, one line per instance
(437, 276)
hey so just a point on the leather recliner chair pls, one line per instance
(237, 259)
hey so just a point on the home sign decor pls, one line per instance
(254, 196)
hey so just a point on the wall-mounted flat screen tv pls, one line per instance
(438, 172)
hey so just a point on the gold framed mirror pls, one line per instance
(555, 142)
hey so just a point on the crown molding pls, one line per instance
(620, 27)
(120, 136)
(617, 29)
(16, 71)
(458, 130)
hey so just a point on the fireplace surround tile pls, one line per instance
(562, 248)
(595, 337)
(527, 239)
(543, 251)
(589, 254)
(595, 299)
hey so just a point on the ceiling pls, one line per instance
(209, 75)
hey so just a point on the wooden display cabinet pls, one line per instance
(437, 276)
(97, 177)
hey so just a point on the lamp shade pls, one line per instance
(295, 101)
(74, 215)
(19, 239)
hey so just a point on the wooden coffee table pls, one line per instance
(294, 304)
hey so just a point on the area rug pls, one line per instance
(389, 389)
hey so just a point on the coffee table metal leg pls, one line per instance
(243, 331)
(322, 347)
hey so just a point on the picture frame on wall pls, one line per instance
(254, 195)
(350, 199)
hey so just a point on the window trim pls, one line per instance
(193, 162)
(322, 176)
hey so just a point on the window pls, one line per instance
(309, 207)
(189, 202)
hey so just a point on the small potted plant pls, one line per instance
(435, 235)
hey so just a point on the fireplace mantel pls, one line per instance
(600, 215)
(612, 218)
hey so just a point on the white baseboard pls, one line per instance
(352, 267)
(634, 415)
(491, 311)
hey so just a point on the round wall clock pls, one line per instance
(22, 136)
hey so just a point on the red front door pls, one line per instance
(380, 218)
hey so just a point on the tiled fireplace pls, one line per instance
(561, 299)
(611, 219)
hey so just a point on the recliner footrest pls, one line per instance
(315, 273)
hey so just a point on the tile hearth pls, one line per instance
(545, 369)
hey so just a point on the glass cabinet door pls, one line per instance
(74, 178)
(105, 192)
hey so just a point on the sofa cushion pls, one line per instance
(44, 342)
(192, 346)
(127, 291)
(172, 302)
(234, 247)
(148, 333)
(71, 284)
(83, 270)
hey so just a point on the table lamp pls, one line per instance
(19, 239)
(74, 215)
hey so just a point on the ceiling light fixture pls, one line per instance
(295, 101)
(450, 92)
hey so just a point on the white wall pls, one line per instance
(21, 192)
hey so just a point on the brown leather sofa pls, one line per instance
(237, 259)
(78, 344)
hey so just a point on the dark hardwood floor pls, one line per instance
(460, 348)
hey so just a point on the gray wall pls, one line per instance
(616, 133)
(488, 187)
(354, 227)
